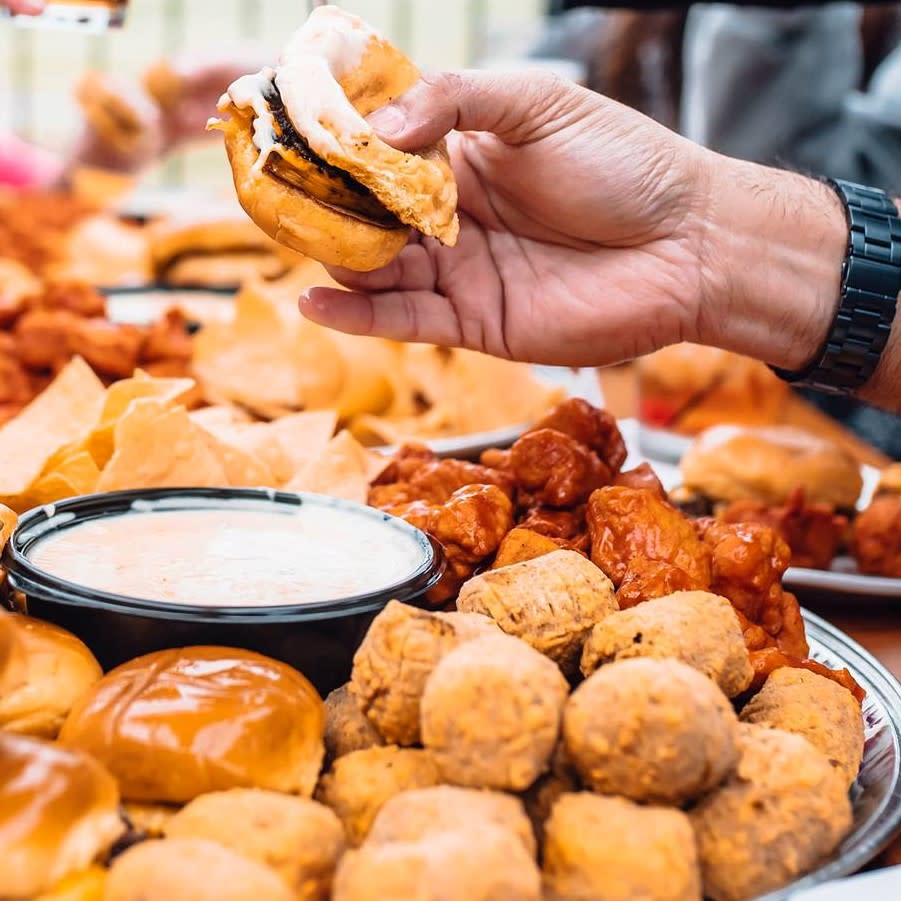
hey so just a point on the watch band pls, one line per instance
(871, 280)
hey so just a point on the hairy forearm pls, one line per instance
(773, 259)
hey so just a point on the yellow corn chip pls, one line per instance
(60, 415)
(157, 446)
(71, 477)
(7, 524)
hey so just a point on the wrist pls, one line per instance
(771, 258)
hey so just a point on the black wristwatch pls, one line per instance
(871, 280)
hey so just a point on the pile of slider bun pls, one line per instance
(536, 742)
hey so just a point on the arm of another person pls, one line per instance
(591, 234)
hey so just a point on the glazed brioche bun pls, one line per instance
(176, 724)
(59, 812)
(328, 187)
(86, 885)
(185, 869)
(59, 669)
(730, 463)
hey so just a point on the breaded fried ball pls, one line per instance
(190, 869)
(651, 730)
(613, 849)
(469, 625)
(415, 814)
(551, 602)
(820, 710)
(359, 783)
(391, 667)
(347, 728)
(483, 863)
(783, 810)
(149, 819)
(696, 627)
(299, 839)
(491, 713)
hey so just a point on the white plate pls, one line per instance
(841, 579)
(147, 305)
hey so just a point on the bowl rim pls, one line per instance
(26, 577)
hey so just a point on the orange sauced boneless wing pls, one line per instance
(648, 579)
(876, 542)
(625, 523)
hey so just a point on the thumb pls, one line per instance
(516, 106)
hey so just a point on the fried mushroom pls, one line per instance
(416, 814)
(696, 627)
(347, 728)
(650, 730)
(551, 602)
(816, 708)
(598, 847)
(485, 863)
(299, 839)
(784, 809)
(491, 713)
(359, 784)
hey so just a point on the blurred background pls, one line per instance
(39, 68)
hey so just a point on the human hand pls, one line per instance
(591, 234)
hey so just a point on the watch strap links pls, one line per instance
(871, 281)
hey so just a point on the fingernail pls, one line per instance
(389, 120)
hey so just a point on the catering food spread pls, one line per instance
(242, 557)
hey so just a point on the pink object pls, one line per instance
(24, 165)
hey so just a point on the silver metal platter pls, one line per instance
(876, 795)
(842, 579)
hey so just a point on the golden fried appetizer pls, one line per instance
(149, 819)
(416, 814)
(696, 627)
(817, 708)
(551, 603)
(611, 848)
(393, 663)
(191, 869)
(481, 863)
(648, 579)
(176, 724)
(469, 625)
(87, 885)
(627, 522)
(784, 809)
(589, 425)
(300, 839)
(59, 670)
(651, 730)
(58, 814)
(359, 783)
(347, 728)
(491, 713)
(522, 544)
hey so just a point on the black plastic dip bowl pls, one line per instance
(297, 577)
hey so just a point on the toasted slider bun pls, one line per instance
(13, 668)
(176, 724)
(120, 117)
(59, 669)
(729, 463)
(213, 251)
(59, 812)
(307, 166)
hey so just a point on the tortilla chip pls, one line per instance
(242, 470)
(249, 361)
(220, 415)
(119, 397)
(319, 366)
(71, 477)
(60, 415)
(368, 364)
(345, 470)
(520, 545)
(157, 446)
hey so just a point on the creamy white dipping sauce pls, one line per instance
(232, 558)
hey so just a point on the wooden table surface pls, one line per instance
(877, 628)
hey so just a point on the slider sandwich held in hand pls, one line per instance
(309, 169)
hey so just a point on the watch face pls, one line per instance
(76, 15)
